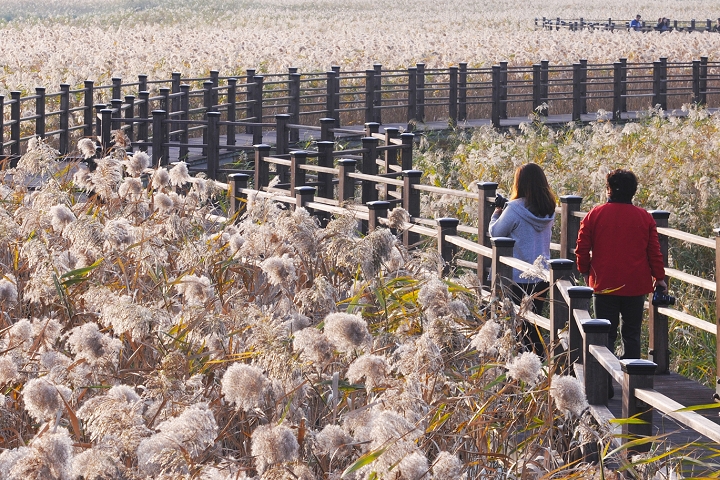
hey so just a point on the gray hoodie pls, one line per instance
(531, 233)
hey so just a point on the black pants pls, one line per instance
(613, 307)
(530, 337)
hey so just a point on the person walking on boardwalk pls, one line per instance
(618, 254)
(528, 219)
(636, 24)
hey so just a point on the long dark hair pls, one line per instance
(532, 185)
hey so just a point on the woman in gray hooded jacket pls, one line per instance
(528, 219)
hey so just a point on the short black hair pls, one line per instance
(622, 185)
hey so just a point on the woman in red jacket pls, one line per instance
(618, 254)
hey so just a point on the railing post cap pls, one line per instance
(378, 205)
(412, 173)
(299, 153)
(325, 142)
(448, 222)
(372, 124)
(561, 264)
(238, 176)
(487, 185)
(326, 120)
(407, 135)
(571, 199)
(369, 139)
(391, 129)
(347, 161)
(261, 146)
(305, 190)
(213, 114)
(660, 214)
(154, 112)
(638, 366)
(596, 325)
(208, 83)
(580, 292)
(284, 115)
(502, 242)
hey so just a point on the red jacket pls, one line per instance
(618, 246)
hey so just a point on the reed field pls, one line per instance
(145, 335)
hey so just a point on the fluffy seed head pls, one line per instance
(346, 331)
(245, 386)
(527, 367)
(272, 444)
(569, 394)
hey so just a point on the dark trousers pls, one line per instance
(530, 337)
(613, 307)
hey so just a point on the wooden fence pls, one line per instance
(198, 118)
(328, 182)
(576, 24)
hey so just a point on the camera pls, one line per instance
(662, 299)
(500, 201)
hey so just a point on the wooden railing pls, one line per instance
(331, 185)
(165, 115)
(611, 24)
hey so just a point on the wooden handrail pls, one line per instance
(673, 409)
(687, 237)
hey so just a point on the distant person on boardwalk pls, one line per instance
(618, 255)
(716, 27)
(528, 219)
(663, 24)
(636, 24)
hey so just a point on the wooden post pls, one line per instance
(495, 115)
(369, 167)
(326, 132)
(15, 114)
(294, 105)
(659, 86)
(185, 115)
(88, 111)
(412, 96)
(485, 211)
(250, 97)
(142, 83)
(346, 185)
(257, 109)
(158, 138)
(282, 140)
(391, 156)
(545, 84)
(369, 95)
(325, 159)
(231, 110)
(617, 91)
(411, 203)
(576, 92)
(453, 96)
(560, 269)
(537, 95)
(583, 85)
(596, 377)
(406, 154)
(501, 274)
(99, 107)
(330, 95)
(370, 128)
(40, 112)
(304, 195)
(209, 107)
(175, 106)
(569, 225)
(376, 210)
(658, 348)
(336, 95)
(64, 120)
(144, 114)
(298, 158)
(696, 81)
(638, 374)
(703, 79)
(377, 93)
(579, 300)
(503, 89)
(262, 168)
(116, 87)
(106, 128)
(420, 92)
(446, 227)
(130, 118)
(117, 104)
(213, 149)
(462, 92)
(238, 200)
